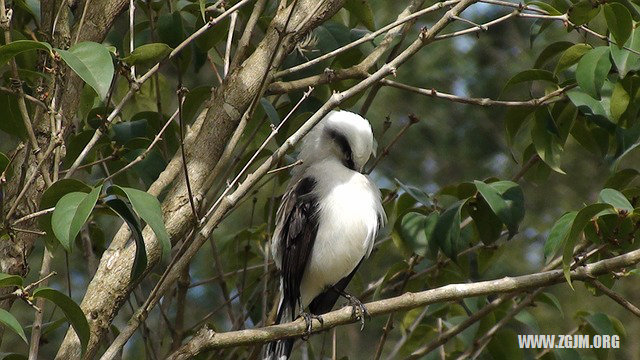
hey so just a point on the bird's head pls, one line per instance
(343, 135)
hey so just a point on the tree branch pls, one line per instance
(207, 339)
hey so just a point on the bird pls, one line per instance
(326, 224)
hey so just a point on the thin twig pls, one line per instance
(616, 297)
(36, 329)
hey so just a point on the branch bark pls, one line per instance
(207, 339)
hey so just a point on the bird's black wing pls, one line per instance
(297, 235)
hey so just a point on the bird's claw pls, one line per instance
(359, 311)
(308, 319)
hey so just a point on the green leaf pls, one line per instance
(544, 6)
(571, 56)
(619, 22)
(586, 104)
(550, 51)
(532, 75)
(619, 101)
(582, 12)
(601, 324)
(506, 201)
(487, 224)
(12, 323)
(447, 230)
(547, 143)
(148, 54)
(592, 70)
(123, 210)
(202, 4)
(582, 218)
(71, 212)
(7, 52)
(624, 59)
(416, 193)
(413, 227)
(148, 208)
(361, 9)
(193, 101)
(621, 179)
(10, 280)
(12, 122)
(558, 233)
(615, 199)
(93, 63)
(271, 112)
(52, 195)
(63, 215)
(551, 300)
(71, 311)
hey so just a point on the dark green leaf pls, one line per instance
(550, 51)
(10, 280)
(71, 311)
(624, 59)
(16, 47)
(615, 199)
(582, 12)
(122, 209)
(193, 102)
(148, 208)
(582, 218)
(416, 193)
(551, 300)
(557, 234)
(547, 143)
(621, 179)
(361, 9)
(619, 21)
(532, 75)
(487, 224)
(271, 112)
(544, 6)
(506, 201)
(12, 122)
(571, 56)
(601, 324)
(4, 162)
(125, 131)
(9, 321)
(413, 227)
(447, 230)
(93, 63)
(592, 70)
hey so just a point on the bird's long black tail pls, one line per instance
(281, 349)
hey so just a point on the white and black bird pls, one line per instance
(327, 222)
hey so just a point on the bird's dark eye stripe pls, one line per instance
(343, 143)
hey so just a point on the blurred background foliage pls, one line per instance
(452, 143)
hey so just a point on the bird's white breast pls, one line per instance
(347, 223)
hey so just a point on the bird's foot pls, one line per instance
(359, 311)
(308, 319)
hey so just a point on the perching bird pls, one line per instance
(327, 222)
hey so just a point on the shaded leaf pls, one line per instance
(71, 311)
(416, 193)
(148, 208)
(621, 179)
(93, 63)
(19, 46)
(122, 209)
(447, 230)
(506, 201)
(547, 143)
(619, 21)
(361, 9)
(582, 218)
(558, 233)
(271, 112)
(10, 280)
(592, 70)
(582, 12)
(9, 321)
(571, 56)
(624, 59)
